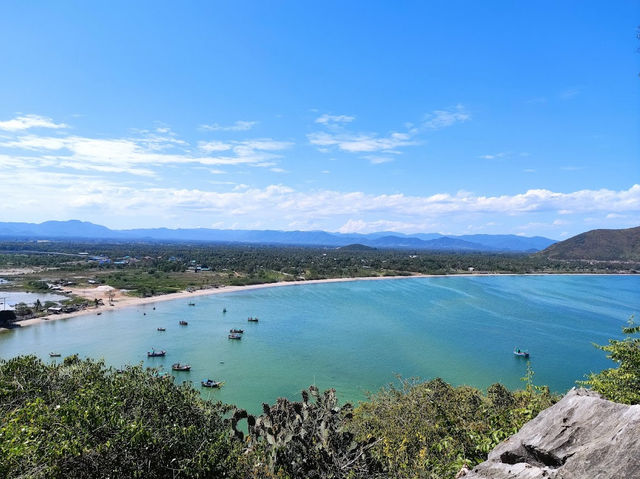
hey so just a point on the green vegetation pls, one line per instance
(147, 269)
(81, 419)
(621, 384)
(431, 429)
(598, 245)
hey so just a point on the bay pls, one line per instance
(357, 336)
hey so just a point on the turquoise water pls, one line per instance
(356, 336)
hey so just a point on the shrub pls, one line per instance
(621, 384)
(82, 419)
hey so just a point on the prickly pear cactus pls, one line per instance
(307, 439)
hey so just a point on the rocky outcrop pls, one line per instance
(583, 436)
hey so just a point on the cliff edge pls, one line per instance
(581, 436)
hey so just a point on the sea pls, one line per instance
(359, 336)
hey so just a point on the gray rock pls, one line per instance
(583, 436)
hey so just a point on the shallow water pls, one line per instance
(356, 336)
(8, 299)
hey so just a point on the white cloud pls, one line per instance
(373, 142)
(239, 125)
(210, 146)
(25, 122)
(444, 118)
(361, 143)
(377, 160)
(89, 196)
(329, 119)
(140, 155)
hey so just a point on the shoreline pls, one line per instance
(131, 301)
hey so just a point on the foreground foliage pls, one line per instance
(621, 384)
(431, 429)
(81, 419)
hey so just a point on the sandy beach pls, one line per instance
(121, 300)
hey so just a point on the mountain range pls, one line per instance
(74, 229)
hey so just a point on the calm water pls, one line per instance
(356, 336)
(8, 299)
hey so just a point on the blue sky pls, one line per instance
(451, 117)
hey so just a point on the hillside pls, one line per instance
(603, 245)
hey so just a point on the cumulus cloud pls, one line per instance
(25, 122)
(279, 205)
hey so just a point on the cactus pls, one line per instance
(307, 439)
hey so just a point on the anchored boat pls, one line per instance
(155, 354)
(210, 383)
(181, 367)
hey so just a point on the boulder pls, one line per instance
(582, 436)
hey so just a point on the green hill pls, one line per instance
(356, 247)
(604, 245)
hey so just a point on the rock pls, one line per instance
(583, 436)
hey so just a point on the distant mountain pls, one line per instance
(424, 241)
(510, 242)
(605, 245)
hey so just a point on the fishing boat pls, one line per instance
(162, 329)
(235, 336)
(210, 383)
(518, 352)
(183, 323)
(55, 355)
(252, 319)
(239, 331)
(155, 354)
(181, 367)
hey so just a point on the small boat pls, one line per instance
(210, 383)
(224, 310)
(183, 323)
(155, 354)
(181, 367)
(55, 355)
(162, 329)
(518, 352)
(235, 336)
(252, 319)
(99, 313)
(192, 304)
(239, 331)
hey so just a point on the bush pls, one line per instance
(621, 384)
(81, 419)
(431, 429)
